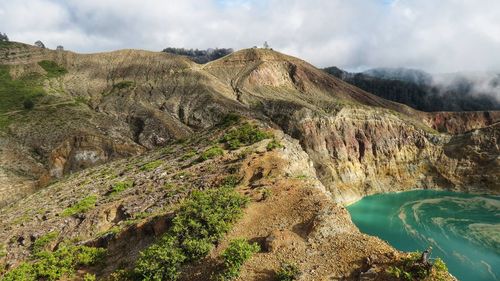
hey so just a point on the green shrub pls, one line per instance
(230, 119)
(89, 277)
(230, 181)
(52, 68)
(41, 243)
(188, 155)
(288, 272)
(244, 135)
(123, 85)
(28, 104)
(82, 206)
(236, 254)
(151, 165)
(411, 269)
(273, 145)
(212, 152)
(121, 186)
(200, 222)
(161, 261)
(55, 265)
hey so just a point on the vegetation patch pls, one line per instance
(201, 221)
(288, 272)
(244, 135)
(212, 152)
(56, 265)
(236, 254)
(82, 206)
(123, 85)
(273, 145)
(14, 92)
(121, 186)
(52, 68)
(42, 242)
(151, 165)
(410, 269)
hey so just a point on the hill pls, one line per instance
(423, 91)
(134, 151)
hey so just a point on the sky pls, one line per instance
(433, 35)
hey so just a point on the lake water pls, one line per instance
(463, 229)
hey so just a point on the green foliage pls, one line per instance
(121, 186)
(273, 145)
(41, 243)
(28, 104)
(188, 155)
(288, 272)
(410, 268)
(440, 266)
(161, 261)
(89, 277)
(200, 222)
(82, 206)
(230, 119)
(236, 254)
(151, 165)
(14, 92)
(53, 266)
(230, 181)
(244, 135)
(266, 193)
(212, 152)
(52, 68)
(123, 85)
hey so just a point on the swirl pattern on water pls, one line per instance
(463, 229)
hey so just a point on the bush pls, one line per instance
(212, 152)
(236, 254)
(82, 206)
(123, 85)
(230, 119)
(200, 223)
(161, 261)
(244, 135)
(28, 104)
(288, 272)
(273, 145)
(53, 266)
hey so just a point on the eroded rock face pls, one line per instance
(83, 151)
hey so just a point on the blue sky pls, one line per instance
(437, 36)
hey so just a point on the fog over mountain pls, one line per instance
(460, 91)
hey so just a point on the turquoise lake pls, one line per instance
(463, 229)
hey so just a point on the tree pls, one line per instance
(40, 44)
(60, 48)
(3, 37)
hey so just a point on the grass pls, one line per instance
(120, 186)
(52, 68)
(288, 272)
(212, 152)
(274, 144)
(14, 92)
(41, 243)
(80, 207)
(151, 165)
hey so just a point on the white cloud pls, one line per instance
(438, 36)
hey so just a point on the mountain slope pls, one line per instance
(333, 143)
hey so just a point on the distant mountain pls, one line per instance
(426, 92)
